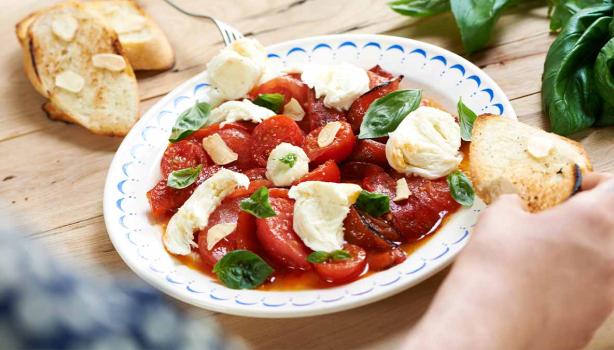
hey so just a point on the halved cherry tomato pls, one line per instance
(164, 201)
(287, 85)
(377, 76)
(358, 109)
(352, 171)
(278, 239)
(227, 212)
(270, 133)
(317, 114)
(343, 271)
(382, 260)
(199, 135)
(245, 232)
(370, 151)
(327, 172)
(180, 155)
(368, 232)
(338, 150)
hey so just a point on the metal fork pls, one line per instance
(229, 34)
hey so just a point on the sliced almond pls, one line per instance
(218, 150)
(64, 27)
(127, 23)
(403, 191)
(294, 110)
(328, 133)
(539, 147)
(110, 61)
(218, 232)
(70, 81)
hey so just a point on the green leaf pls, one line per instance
(420, 8)
(467, 118)
(461, 188)
(320, 257)
(317, 257)
(289, 159)
(274, 102)
(183, 178)
(190, 120)
(242, 269)
(560, 11)
(375, 204)
(386, 113)
(475, 20)
(258, 204)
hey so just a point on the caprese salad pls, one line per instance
(326, 171)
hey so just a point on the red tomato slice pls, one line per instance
(377, 76)
(164, 201)
(227, 212)
(357, 171)
(338, 150)
(255, 174)
(278, 239)
(368, 232)
(317, 114)
(382, 260)
(270, 133)
(361, 105)
(287, 85)
(344, 271)
(327, 172)
(253, 186)
(241, 143)
(199, 135)
(245, 234)
(181, 155)
(370, 151)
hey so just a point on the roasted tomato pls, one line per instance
(277, 238)
(255, 174)
(361, 105)
(382, 260)
(357, 171)
(165, 201)
(180, 155)
(377, 76)
(327, 172)
(317, 114)
(241, 143)
(338, 150)
(245, 233)
(288, 85)
(369, 232)
(270, 133)
(343, 271)
(370, 151)
(227, 212)
(199, 135)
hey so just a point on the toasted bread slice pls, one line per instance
(107, 102)
(144, 42)
(507, 156)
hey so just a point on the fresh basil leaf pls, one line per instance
(475, 20)
(274, 102)
(420, 8)
(467, 117)
(317, 257)
(604, 66)
(289, 159)
(560, 11)
(340, 254)
(461, 188)
(258, 204)
(375, 204)
(242, 269)
(386, 113)
(190, 120)
(183, 178)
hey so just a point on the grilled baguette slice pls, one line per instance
(503, 160)
(144, 42)
(108, 101)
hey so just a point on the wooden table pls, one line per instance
(52, 174)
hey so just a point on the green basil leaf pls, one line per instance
(258, 204)
(274, 102)
(375, 204)
(604, 66)
(420, 8)
(475, 20)
(386, 113)
(461, 188)
(560, 11)
(318, 257)
(340, 255)
(190, 120)
(242, 269)
(467, 117)
(289, 159)
(183, 178)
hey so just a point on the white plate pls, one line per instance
(135, 169)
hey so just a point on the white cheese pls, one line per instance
(218, 150)
(70, 81)
(340, 84)
(64, 26)
(319, 212)
(194, 213)
(294, 110)
(233, 111)
(238, 68)
(539, 146)
(110, 61)
(403, 191)
(280, 173)
(219, 232)
(426, 143)
(328, 133)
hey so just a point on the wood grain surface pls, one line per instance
(52, 174)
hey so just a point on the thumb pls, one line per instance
(509, 202)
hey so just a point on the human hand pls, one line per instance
(530, 281)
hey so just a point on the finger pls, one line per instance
(593, 179)
(510, 201)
